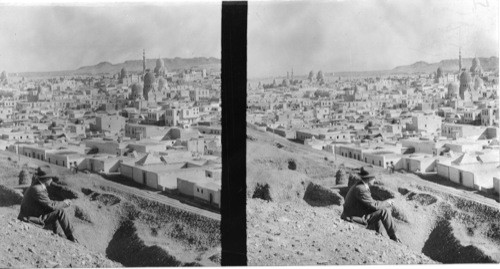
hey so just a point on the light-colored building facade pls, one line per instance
(139, 131)
(110, 123)
(425, 123)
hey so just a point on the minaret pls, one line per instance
(459, 60)
(143, 61)
(292, 73)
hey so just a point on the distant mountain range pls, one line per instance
(451, 65)
(488, 64)
(214, 64)
(448, 66)
(134, 66)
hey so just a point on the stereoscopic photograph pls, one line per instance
(110, 149)
(372, 132)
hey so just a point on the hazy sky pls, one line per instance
(362, 35)
(50, 38)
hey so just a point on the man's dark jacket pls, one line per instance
(359, 202)
(36, 202)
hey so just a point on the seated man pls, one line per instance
(360, 207)
(37, 207)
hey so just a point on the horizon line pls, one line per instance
(380, 70)
(70, 70)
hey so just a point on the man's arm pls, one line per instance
(43, 199)
(365, 197)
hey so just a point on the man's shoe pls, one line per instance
(395, 239)
(73, 239)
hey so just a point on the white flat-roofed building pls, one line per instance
(110, 123)
(19, 136)
(201, 188)
(465, 145)
(161, 171)
(6, 113)
(65, 158)
(425, 123)
(105, 163)
(382, 158)
(139, 131)
(418, 162)
(489, 116)
(472, 116)
(107, 146)
(212, 129)
(324, 134)
(471, 170)
(456, 131)
(147, 146)
(34, 151)
(377, 154)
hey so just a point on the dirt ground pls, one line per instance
(291, 234)
(115, 225)
(294, 207)
(26, 246)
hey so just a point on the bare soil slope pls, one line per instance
(25, 245)
(294, 207)
(113, 222)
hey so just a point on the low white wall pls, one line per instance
(126, 171)
(496, 184)
(443, 170)
(468, 179)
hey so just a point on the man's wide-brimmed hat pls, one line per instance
(366, 173)
(45, 172)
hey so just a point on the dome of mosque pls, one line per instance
(162, 83)
(160, 69)
(465, 78)
(136, 89)
(476, 68)
(160, 63)
(453, 87)
(478, 83)
(475, 61)
(123, 73)
(149, 84)
(149, 79)
(465, 84)
(439, 72)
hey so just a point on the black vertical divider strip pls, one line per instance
(234, 77)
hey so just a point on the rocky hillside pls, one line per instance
(294, 207)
